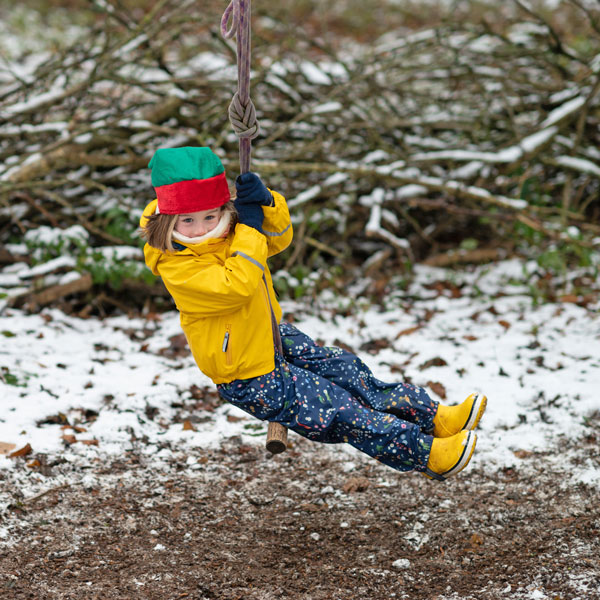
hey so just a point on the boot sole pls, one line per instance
(477, 409)
(465, 457)
(460, 464)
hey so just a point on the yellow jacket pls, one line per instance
(224, 293)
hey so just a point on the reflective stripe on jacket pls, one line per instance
(224, 293)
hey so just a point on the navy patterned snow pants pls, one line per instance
(329, 395)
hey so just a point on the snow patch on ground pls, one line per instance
(87, 389)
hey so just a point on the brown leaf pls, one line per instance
(444, 286)
(434, 362)
(338, 343)
(187, 426)
(408, 331)
(232, 419)
(310, 507)
(89, 442)
(57, 419)
(504, 323)
(6, 447)
(356, 484)
(179, 347)
(75, 428)
(470, 338)
(69, 439)
(429, 314)
(437, 388)
(374, 346)
(24, 451)
(34, 464)
(196, 392)
(522, 453)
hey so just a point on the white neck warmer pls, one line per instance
(219, 231)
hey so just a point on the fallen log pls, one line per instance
(57, 292)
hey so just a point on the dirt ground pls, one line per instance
(238, 524)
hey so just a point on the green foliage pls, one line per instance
(107, 265)
(9, 378)
(385, 130)
(294, 284)
(531, 191)
(554, 257)
(109, 269)
(302, 281)
(558, 258)
(255, 429)
(46, 243)
(120, 223)
(469, 244)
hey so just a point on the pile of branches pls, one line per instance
(452, 143)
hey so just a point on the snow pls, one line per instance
(327, 107)
(506, 155)
(335, 179)
(538, 364)
(118, 253)
(563, 111)
(131, 45)
(314, 74)
(579, 164)
(375, 156)
(401, 563)
(57, 90)
(305, 196)
(547, 131)
(50, 236)
(47, 267)
(215, 64)
(282, 86)
(534, 141)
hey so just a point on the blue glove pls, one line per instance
(251, 190)
(250, 214)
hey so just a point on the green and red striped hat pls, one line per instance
(188, 179)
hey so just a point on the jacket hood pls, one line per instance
(148, 212)
(154, 255)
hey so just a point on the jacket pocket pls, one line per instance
(226, 347)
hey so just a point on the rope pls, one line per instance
(242, 113)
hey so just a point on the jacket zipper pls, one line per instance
(226, 347)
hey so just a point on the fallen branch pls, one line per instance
(58, 292)
(455, 257)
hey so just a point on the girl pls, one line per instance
(216, 270)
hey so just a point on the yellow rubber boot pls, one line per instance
(449, 420)
(450, 455)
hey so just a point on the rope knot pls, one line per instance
(243, 118)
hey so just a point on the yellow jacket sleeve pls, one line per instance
(277, 225)
(204, 287)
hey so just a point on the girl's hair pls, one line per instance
(158, 231)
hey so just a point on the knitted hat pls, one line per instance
(188, 180)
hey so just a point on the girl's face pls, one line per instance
(198, 223)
